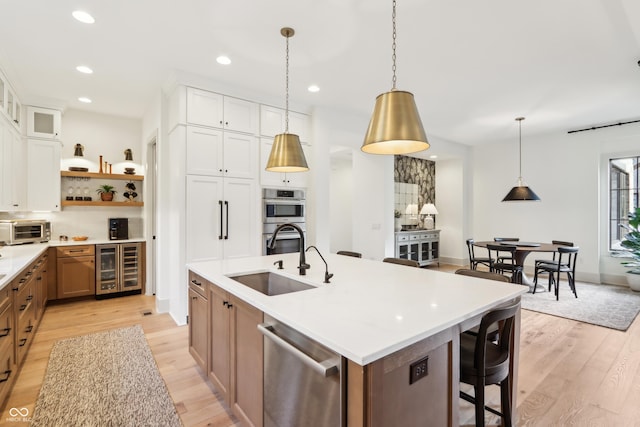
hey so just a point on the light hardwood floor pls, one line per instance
(571, 373)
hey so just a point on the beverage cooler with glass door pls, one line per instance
(118, 268)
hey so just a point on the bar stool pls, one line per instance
(402, 261)
(483, 362)
(350, 253)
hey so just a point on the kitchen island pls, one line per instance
(381, 318)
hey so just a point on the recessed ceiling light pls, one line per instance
(224, 60)
(313, 88)
(84, 99)
(83, 16)
(84, 69)
(433, 156)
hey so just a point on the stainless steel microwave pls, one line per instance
(20, 231)
(281, 206)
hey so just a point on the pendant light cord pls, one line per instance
(286, 102)
(393, 46)
(520, 119)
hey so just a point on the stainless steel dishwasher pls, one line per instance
(302, 380)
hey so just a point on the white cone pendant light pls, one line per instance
(520, 192)
(395, 126)
(286, 153)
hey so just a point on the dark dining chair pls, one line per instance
(402, 261)
(350, 253)
(508, 263)
(553, 260)
(473, 259)
(484, 362)
(493, 330)
(483, 274)
(555, 270)
(502, 256)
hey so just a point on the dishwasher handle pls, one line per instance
(325, 368)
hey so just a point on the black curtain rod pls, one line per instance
(604, 126)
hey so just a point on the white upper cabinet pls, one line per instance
(204, 108)
(273, 122)
(12, 170)
(9, 103)
(43, 175)
(216, 153)
(210, 109)
(43, 123)
(204, 151)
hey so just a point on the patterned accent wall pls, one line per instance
(417, 171)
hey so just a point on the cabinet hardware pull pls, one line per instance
(6, 332)
(30, 297)
(225, 303)
(229, 305)
(226, 236)
(8, 374)
(23, 306)
(220, 235)
(23, 341)
(195, 282)
(15, 289)
(29, 329)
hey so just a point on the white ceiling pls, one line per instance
(473, 66)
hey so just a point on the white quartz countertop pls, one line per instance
(370, 309)
(15, 258)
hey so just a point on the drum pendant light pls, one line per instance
(286, 153)
(520, 192)
(395, 126)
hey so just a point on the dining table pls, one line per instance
(523, 249)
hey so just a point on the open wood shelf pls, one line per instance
(102, 176)
(100, 203)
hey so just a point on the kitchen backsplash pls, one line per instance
(86, 221)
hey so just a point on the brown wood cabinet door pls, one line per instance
(76, 276)
(246, 365)
(198, 336)
(219, 367)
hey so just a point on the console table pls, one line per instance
(419, 245)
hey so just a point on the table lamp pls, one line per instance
(429, 209)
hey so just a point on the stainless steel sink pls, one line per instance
(270, 283)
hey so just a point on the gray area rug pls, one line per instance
(104, 379)
(610, 306)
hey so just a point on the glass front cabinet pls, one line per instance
(419, 245)
(118, 268)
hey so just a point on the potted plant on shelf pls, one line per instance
(631, 243)
(106, 192)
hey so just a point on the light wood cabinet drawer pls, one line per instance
(6, 329)
(198, 284)
(69, 251)
(5, 293)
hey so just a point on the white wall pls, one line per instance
(372, 198)
(565, 171)
(450, 202)
(341, 205)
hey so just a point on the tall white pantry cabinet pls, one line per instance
(219, 136)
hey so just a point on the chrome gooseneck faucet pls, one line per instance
(303, 266)
(327, 275)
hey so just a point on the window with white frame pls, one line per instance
(623, 197)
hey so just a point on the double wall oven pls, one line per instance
(281, 206)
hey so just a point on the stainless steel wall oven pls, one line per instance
(281, 206)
